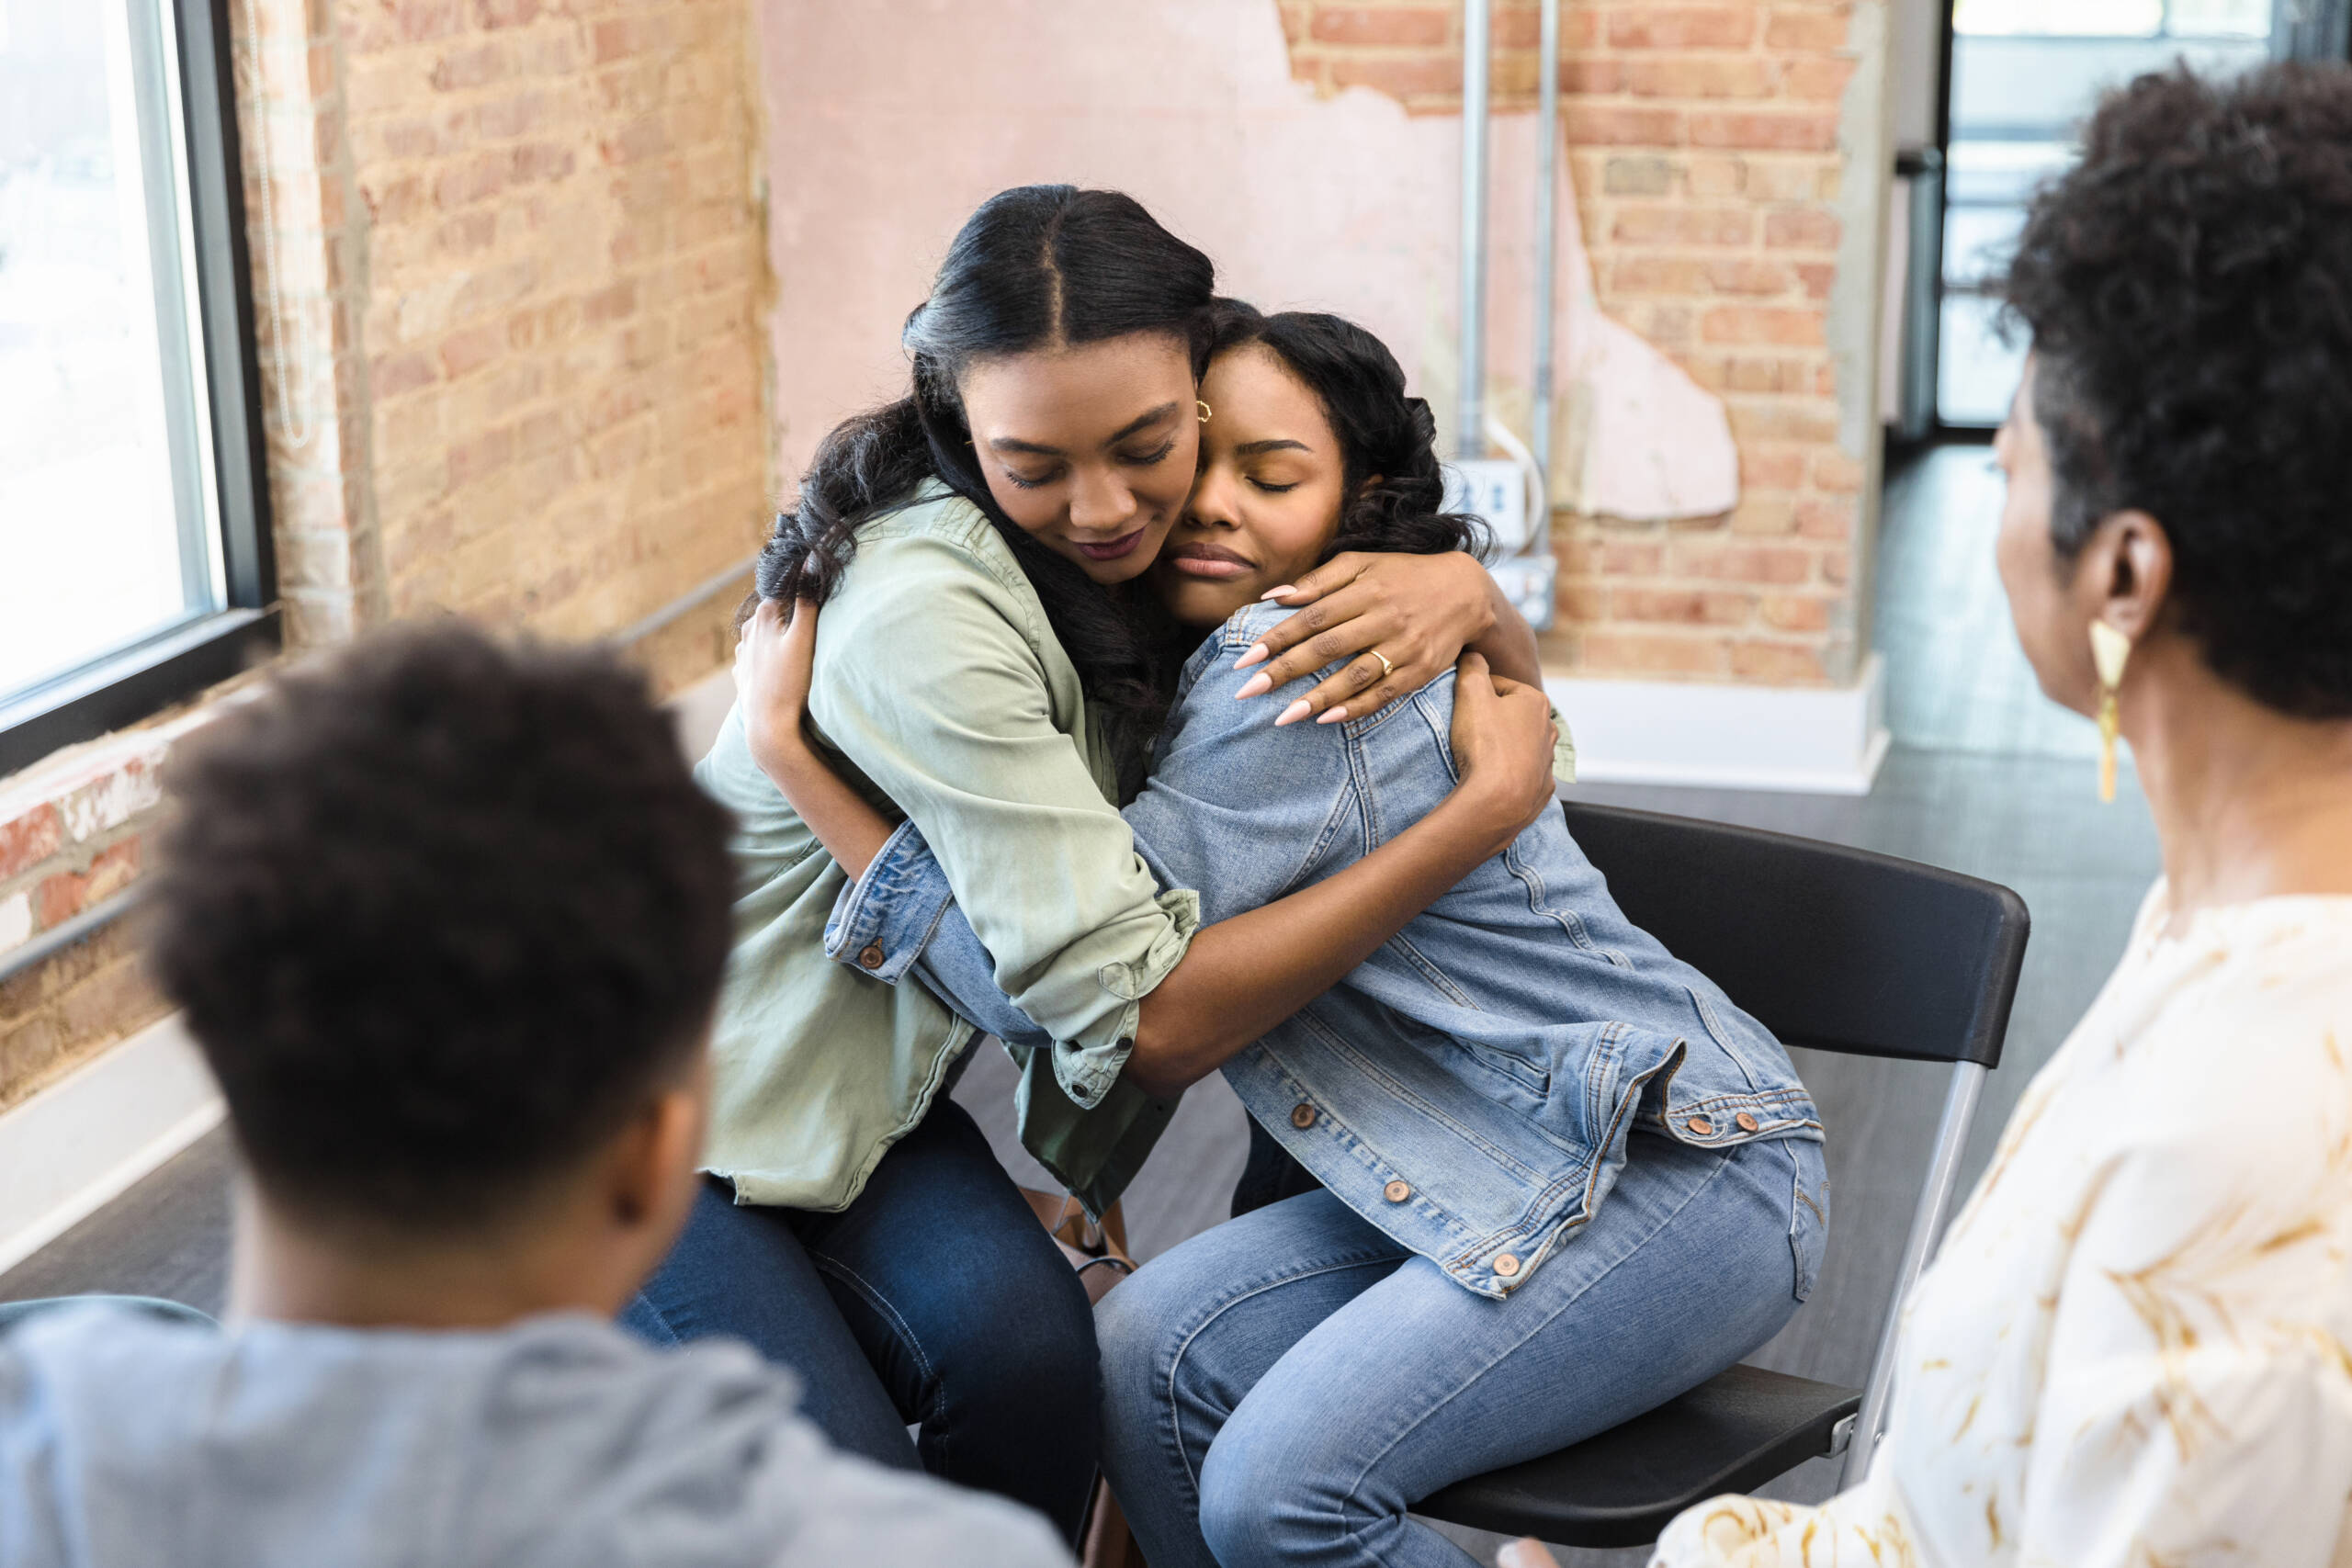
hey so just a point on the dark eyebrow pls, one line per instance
(1150, 417)
(1282, 443)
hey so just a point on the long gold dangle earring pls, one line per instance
(2110, 651)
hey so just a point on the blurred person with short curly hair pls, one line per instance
(2135, 1344)
(448, 919)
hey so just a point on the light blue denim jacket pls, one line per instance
(1469, 1087)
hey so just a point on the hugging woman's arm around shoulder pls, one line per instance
(1241, 975)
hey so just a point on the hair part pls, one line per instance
(2188, 288)
(1038, 267)
(1393, 483)
(440, 911)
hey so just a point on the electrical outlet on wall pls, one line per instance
(1496, 488)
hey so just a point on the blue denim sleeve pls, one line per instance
(901, 915)
(1235, 808)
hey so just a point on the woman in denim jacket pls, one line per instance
(1563, 1176)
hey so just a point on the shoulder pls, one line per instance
(937, 526)
(936, 571)
(2222, 1074)
(851, 1510)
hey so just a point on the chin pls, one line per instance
(1110, 573)
(1205, 606)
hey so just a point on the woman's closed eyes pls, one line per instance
(1151, 459)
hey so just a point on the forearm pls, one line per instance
(1242, 976)
(852, 831)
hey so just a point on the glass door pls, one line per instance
(2024, 75)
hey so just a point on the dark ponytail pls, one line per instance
(1382, 434)
(1039, 266)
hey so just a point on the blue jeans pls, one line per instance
(1282, 1388)
(936, 1300)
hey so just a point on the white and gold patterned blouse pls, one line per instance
(2131, 1350)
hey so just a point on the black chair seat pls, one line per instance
(1731, 1434)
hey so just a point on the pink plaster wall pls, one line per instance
(889, 121)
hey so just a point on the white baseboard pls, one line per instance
(82, 1141)
(1815, 741)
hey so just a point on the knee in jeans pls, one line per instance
(1257, 1511)
(1037, 1354)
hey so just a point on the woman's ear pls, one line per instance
(1373, 483)
(2124, 573)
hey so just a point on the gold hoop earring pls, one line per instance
(2111, 651)
(1204, 408)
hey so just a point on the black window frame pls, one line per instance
(131, 683)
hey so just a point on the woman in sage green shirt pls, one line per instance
(983, 667)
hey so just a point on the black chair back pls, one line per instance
(1834, 948)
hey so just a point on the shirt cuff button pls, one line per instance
(1396, 1192)
(871, 958)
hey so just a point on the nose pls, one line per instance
(1100, 501)
(1213, 501)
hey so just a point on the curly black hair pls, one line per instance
(2189, 289)
(438, 910)
(1389, 469)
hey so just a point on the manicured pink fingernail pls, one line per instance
(1257, 655)
(1332, 715)
(1276, 593)
(1293, 713)
(1258, 686)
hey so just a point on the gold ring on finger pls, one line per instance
(1386, 669)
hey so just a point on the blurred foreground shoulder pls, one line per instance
(863, 1512)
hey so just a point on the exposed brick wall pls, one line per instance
(73, 833)
(508, 291)
(562, 274)
(1704, 142)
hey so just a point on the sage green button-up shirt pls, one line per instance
(949, 701)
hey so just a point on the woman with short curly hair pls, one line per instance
(2135, 1346)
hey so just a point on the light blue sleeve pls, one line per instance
(902, 915)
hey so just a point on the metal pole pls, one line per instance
(1470, 440)
(1547, 180)
(1926, 1228)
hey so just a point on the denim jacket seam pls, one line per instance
(1760, 1097)
(1404, 1096)
(1715, 1027)
(1568, 920)
(1431, 970)
(1540, 1215)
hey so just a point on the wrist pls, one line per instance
(778, 755)
(1484, 813)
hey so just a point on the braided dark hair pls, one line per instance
(1037, 267)
(1389, 471)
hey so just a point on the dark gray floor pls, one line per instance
(1985, 778)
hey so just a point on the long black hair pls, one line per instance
(1037, 267)
(1394, 490)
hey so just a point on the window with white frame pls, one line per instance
(134, 566)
